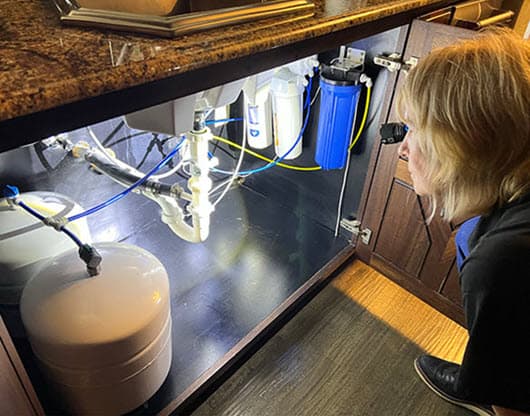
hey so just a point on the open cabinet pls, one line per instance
(274, 239)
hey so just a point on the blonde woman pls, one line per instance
(467, 108)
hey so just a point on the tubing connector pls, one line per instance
(92, 259)
(366, 80)
(80, 149)
(87, 253)
(199, 121)
(11, 192)
(56, 222)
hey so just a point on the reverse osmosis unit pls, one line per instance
(340, 89)
(287, 92)
(287, 89)
(97, 316)
(274, 107)
(258, 114)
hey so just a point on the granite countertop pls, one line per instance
(59, 77)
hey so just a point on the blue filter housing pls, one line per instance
(338, 103)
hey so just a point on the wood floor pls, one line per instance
(349, 352)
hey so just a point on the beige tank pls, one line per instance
(103, 342)
(26, 244)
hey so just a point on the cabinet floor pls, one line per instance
(350, 351)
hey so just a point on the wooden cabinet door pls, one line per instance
(17, 396)
(417, 255)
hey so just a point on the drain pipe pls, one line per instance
(166, 196)
(199, 184)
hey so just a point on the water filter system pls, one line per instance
(340, 89)
(274, 107)
(275, 110)
(277, 107)
(258, 110)
(287, 91)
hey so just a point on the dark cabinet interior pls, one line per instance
(273, 239)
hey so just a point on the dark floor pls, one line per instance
(333, 359)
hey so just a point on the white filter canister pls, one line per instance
(103, 342)
(287, 110)
(26, 244)
(259, 119)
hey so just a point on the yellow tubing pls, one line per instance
(361, 127)
(303, 168)
(283, 165)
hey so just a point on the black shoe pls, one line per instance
(440, 376)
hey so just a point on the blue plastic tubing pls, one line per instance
(300, 135)
(42, 218)
(338, 104)
(130, 188)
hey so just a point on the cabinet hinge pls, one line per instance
(354, 226)
(394, 62)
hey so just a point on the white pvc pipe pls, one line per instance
(199, 184)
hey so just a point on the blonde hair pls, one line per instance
(470, 106)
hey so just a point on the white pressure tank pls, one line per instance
(26, 243)
(103, 342)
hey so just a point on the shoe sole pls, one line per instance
(479, 410)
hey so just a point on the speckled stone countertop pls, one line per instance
(45, 66)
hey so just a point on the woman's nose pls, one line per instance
(403, 150)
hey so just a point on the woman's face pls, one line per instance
(409, 149)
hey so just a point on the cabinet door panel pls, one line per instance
(416, 254)
(17, 396)
(403, 218)
(402, 172)
(13, 399)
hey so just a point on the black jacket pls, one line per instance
(495, 284)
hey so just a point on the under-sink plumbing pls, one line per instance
(165, 195)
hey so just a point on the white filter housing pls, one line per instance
(287, 93)
(103, 342)
(26, 244)
(259, 119)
